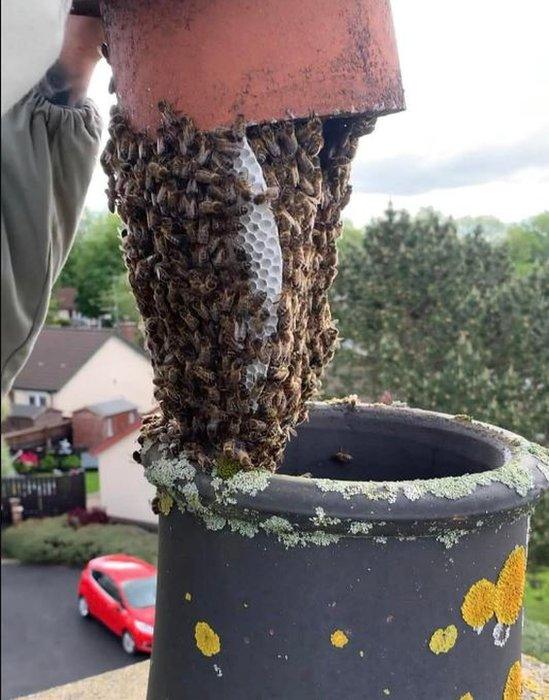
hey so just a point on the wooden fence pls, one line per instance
(44, 495)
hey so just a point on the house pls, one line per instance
(24, 416)
(66, 304)
(34, 427)
(125, 493)
(73, 367)
(93, 424)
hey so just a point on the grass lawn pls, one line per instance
(92, 482)
(536, 604)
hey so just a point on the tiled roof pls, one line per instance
(23, 410)
(59, 353)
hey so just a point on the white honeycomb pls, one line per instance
(259, 238)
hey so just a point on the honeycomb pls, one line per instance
(259, 239)
(230, 245)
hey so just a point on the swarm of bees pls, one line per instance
(181, 199)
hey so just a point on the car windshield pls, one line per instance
(140, 592)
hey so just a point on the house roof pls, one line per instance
(111, 408)
(109, 442)
(23, 410)
(66, 296)
(59, 353)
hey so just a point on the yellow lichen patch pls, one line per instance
(165, 502)
(443, 639)
(513, 683)
(188, 597)
(339, 639)
(478, 604)
(467, 696)
(510, 587)
(206, 639)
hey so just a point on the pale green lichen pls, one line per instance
(286, 534)
(178, 477)
(449, 538)
(359, 528)
(243, 527)
(320, 518)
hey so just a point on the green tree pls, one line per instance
(117, 300)
(442, 321)
(528, 242)
(94, 261)
(6, 460)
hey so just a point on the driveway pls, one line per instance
(44, 641)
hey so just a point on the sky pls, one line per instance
(474, 139)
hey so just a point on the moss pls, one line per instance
(165, 502)
(226, 467)
(443, 639)
(463, 418)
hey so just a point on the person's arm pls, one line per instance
(50, 143)
(66, 82)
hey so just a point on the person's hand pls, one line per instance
(66, 82)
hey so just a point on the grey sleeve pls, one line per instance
(48, 157)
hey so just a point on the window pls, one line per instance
(132, 417)
(107, 584)
(38, 399)
(109, 427)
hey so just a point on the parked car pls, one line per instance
(120, 591)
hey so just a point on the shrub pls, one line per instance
(49, 462)
(53, 541)
(71, 462)
(77, 517)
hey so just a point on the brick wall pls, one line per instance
(89, 430)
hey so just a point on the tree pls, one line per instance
(94, 261)
(528, 243)
(442, 321)
(117, 300)
(6, 460)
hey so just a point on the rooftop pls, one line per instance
(23, 410)
(59, 353)
(111, 408)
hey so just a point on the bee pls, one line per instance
(342, 457)
(268, 195)
(207, 176)
(306, 165)
(288, 140)
(269, 141)
(309, 134)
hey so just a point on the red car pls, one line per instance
(120, 591)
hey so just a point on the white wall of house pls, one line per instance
(125, 493)
(115, 370)
(32, 398)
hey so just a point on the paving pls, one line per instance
(44, 641)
